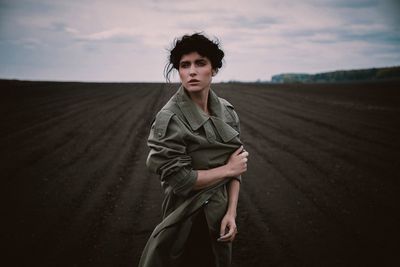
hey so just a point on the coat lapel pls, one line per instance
(225, 131)
(192, 113)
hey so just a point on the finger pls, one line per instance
(223, 228)
(237, 151)
(233, 237)
(244, 155)
(234, 234)
(225, 238)
(228, 236)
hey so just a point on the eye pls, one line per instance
(184, 65)
(201, 63)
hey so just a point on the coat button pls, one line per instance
(206, 202)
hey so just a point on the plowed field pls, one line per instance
(322, 186)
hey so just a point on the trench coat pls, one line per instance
(182, 140)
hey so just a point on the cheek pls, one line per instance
(207, 72)
(181, 73)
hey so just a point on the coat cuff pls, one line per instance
(183, 182)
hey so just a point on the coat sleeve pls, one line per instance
(167, 156)
(232, 113)
(235, 117)
(237, 120)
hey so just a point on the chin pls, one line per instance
(196, 88)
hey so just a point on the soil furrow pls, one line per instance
(42, 125)
(119, 177)
(256, 230)
(349, 154)
(307, 115)
(320, 190)
(312, 215)
(40, 153)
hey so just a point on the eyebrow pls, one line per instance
(196, 61)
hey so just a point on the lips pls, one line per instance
(194, 81)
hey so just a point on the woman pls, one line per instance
(195, 149)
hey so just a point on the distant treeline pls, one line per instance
(341, 75)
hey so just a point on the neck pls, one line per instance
(201, 99)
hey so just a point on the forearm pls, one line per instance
(233, 193)
(235, 167)
(210, 177)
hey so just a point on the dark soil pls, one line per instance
(322, 186)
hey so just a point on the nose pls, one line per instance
(192, 70)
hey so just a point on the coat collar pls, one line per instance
(197, 117)
(193, 113)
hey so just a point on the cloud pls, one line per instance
(364, 33)
(76, 39)
(251, 22)
(353, 4)
(115, 35)
(62, 27)
(28, 43)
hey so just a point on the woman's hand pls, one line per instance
(237, 163)
(228, 229)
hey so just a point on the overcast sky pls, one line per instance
(121, 40)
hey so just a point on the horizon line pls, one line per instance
(258, 80)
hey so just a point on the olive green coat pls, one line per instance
(183, 139)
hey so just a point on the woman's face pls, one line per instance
(195, 72)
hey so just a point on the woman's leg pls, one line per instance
(198, 251)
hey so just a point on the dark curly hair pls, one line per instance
(196, 42)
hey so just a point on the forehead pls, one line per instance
(192, 56)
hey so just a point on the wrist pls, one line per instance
(231, 212)
(226, 170)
